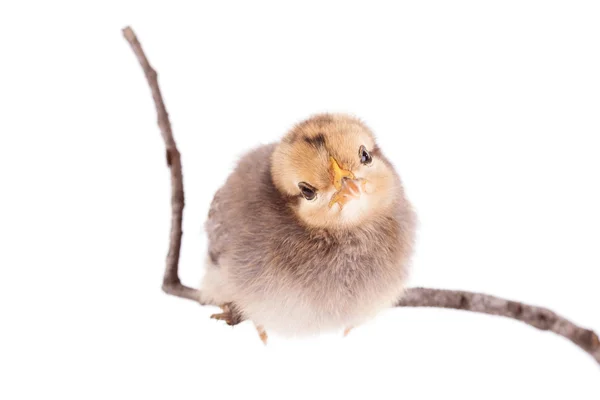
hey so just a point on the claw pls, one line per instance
(229, 315)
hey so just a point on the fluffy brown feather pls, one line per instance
(297, 266)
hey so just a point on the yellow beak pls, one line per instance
(344, 181)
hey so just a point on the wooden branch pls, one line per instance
(171, 283)
(538, 317)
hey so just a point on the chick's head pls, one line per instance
(331, 169)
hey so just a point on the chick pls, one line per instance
(312, 234)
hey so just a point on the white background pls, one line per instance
(490, 112)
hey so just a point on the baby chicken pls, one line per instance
(311, 234)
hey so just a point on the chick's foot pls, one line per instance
(262, 333)
(231, 314)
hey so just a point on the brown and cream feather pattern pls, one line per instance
(294, 279)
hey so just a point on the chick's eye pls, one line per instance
(365, 157)
(307, 191)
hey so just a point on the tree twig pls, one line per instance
(537, 317)
(171, 282)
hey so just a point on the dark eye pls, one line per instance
(364, 155)
(307, 191)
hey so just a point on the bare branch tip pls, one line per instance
(128, 33)
(595, 340)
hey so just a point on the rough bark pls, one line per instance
(538, 317)
(171, 283)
